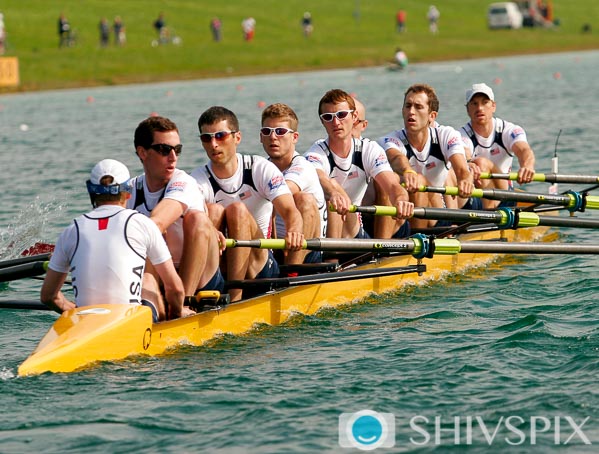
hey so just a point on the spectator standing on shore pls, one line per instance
(64, 31)
(2, 35)
(433, 19)
(104, 32)
(120, 37)
(400, 18)
(248, 25)
(307, 24)
(216, 29)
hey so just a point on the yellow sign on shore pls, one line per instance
(9, 71)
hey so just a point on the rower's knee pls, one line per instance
(196, 223)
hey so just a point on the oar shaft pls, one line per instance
(331, 244)
(500, 247)
(24, 260)
(425, 247)
(503, 218)
(21, 271)
(37, 305)
(545, 177)
(568, 200)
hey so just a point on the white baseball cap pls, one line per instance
(479, 88)
(110, 167)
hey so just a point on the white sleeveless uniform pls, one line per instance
(433, 160)
(497, 147)
(267, 183)
(105, 250)
(302, 173)
(352, 178)
(182, 188)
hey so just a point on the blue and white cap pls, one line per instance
(109, 168)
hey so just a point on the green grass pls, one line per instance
(339, 39)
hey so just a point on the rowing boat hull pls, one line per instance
(113, 332)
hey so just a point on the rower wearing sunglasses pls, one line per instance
(278, 136)
(345, 165)
(240, 191)
(172, 199)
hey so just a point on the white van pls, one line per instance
(504, 15)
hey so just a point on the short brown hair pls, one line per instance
(281, 111)
(215, 114)
(433, 101)
(144, 133)
(336, 96)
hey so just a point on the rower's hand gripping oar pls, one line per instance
(544, 177)
(572, 200)
(504, 218)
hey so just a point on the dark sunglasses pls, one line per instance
(266, 131)
(165, 150)
(219, 136)
(340, 114)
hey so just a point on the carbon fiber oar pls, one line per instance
(545, 177)
(422, 246)
(21, 271)
(573, 201)
(503, 217)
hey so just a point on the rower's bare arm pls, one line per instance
(285, 206)
(293, 187)
(463, 174)
(173, 288)
(397, 194)
(166, 212)
(51, 295)
(401, 166)
(526, 159)
(334, 193)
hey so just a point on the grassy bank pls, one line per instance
(347, 33)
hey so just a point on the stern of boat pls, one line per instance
(88, 334)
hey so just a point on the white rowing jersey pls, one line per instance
(182, 188)
(302, 173)
(498, 146)
(256, 183)
(365, 160)
(105, 250)
(433, 160)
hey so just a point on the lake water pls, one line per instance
(519, 341)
